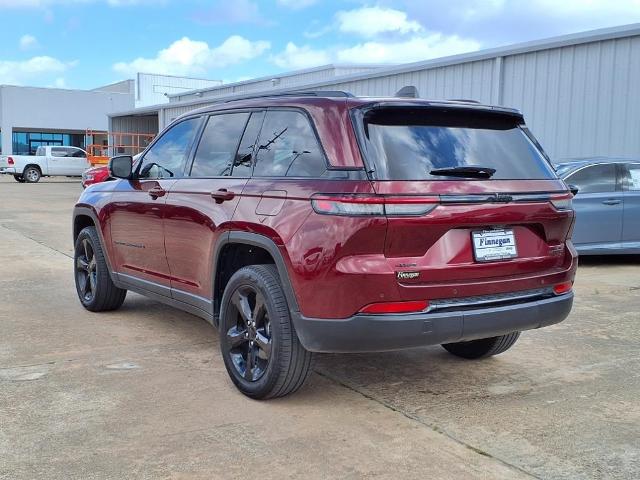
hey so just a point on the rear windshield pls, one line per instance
(407, 143)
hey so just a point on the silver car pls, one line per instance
(607, 204)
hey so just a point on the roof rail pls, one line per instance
(464, 100)
(301, 93)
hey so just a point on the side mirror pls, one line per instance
(121, 166)
(573, 189)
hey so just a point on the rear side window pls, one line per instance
(166, 157)
(218, 144)
(632, 181)
(408, 143)
(288, 147)
(594, 179)
(59, 152)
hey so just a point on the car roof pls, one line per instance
(345, 99)
(583, 161)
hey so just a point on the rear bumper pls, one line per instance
(8, 170)
(370, 333)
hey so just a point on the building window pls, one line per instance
(26, 143)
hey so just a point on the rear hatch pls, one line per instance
(470, 196)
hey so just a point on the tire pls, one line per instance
(31, 174)
(263, 333)
(482, 348)
(94, 286)
(19, 178)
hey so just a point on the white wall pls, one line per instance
(151, 88)
(45, 109)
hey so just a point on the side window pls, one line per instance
(243, 163)
(218, 144)
(288, 147)
(166, 158)
(632, 181)
(58, 152)
(594, 179)
(77, 153)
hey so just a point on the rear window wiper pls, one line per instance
(467, 171)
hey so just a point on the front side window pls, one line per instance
(166, 158)
(217, 147)
(594, 179)
(288, 147)
(408, 143)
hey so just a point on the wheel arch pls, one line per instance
(34, 165)
(225, 265)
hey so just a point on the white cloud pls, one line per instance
(20, 72)
(418, 48)
(294, 57)
(296, 4)
(371, 21)
(27, 42)
(192, 57)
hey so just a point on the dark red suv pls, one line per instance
(323, 222)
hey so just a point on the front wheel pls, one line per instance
(259, 344)
(19, 178)
(482, 348)
(96, 290)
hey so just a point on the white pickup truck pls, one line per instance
(47, 162)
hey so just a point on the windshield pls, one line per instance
(407, 143)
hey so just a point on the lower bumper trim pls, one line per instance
(374, 333)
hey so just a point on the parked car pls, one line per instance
(98, 174)
(607, 204)
(323, 222)
(47, 162)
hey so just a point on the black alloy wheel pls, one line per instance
(94, 285)
(249, 340)
(86, 274)
(260, 347)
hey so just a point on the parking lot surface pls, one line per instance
(143, 393)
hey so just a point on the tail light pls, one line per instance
(562, 202)
(359, 205)
(562, 288)
(396, 307)
(10, 161)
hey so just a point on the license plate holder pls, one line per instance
(494, 245)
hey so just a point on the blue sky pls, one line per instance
(88, 43)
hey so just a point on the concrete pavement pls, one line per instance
(142, 392)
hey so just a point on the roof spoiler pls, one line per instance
(408, 92)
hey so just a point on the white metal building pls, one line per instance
(580, 93)
(153, 89)
(31, 117)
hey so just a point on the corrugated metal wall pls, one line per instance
(135, 124)
(579, 100)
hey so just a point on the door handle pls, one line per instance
(222, 195)
(156, 192)
(611, 201)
